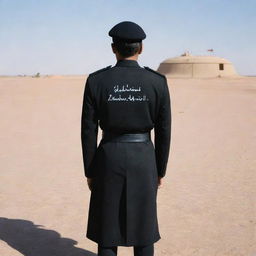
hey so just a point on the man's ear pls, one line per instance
(113, 48)
(141, 48)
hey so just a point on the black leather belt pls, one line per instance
(126, 137)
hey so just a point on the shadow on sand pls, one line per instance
(31, 240)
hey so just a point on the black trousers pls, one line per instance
(147, 250)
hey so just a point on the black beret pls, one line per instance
(127, 31)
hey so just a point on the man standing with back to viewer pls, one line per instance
(126, 169)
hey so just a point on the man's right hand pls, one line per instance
(89, 183)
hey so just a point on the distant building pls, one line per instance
(188, 65)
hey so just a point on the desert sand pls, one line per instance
(206, 205)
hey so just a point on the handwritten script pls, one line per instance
(118, 92)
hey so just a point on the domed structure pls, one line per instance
(188, 65)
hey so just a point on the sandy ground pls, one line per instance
(206, 206)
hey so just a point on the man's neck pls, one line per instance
(135, 57)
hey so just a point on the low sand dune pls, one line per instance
(206, 205)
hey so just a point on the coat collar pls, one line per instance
(127, 63)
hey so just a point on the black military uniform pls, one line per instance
(126, 101)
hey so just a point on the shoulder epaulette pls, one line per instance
(152, 70)
(100, 70)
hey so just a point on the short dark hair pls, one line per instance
(127, 49)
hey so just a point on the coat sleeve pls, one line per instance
(89, 129)
(162, 131)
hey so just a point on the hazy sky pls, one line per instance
(71, 37)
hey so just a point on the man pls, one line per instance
(126, 169)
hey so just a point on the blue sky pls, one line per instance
(71, 37)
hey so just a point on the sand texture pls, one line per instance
(206, 206)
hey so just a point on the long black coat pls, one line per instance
(125, 98)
